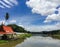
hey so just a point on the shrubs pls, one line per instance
(24, 35)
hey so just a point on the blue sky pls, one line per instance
(33, 15)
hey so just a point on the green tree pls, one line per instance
(17, 28)
(6, 17)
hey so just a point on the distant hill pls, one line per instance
(51, 32)
(47, 32)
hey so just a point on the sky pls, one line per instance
(33, 15)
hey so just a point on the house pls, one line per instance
(6, 31)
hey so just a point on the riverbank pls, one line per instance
(12, 43)
(55, 36)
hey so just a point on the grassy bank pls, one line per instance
(55, 36)
(3, 41)
(23, 36)
(13, 43)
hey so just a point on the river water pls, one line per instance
(39, 41)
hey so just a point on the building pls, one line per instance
(6, 30)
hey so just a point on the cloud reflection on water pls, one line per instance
(39, 41)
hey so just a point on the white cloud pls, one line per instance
(35, 28)
(53, 17)
(4, 4)
(7, 22)
(8, 3)
(12, 21)
(14, 1)
(39, 28)
(21, 25)
(2, 22)
(26, 22)
(44, 7)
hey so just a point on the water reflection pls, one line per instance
(40, 41)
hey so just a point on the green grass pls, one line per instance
(25, 35)
(12, 43)
(3, 41)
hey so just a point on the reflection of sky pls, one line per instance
(39, 41)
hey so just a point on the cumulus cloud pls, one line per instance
(44, 7)
(53, 17)
(8, 3)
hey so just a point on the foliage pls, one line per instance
(17, 28)
(25, 35)
(7, 16)
(51, 32)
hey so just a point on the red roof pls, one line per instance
(7, 30)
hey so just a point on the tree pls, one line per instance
(7, 16)
(17, 28)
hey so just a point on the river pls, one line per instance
(39, 41)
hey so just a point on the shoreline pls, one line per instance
(13, 43)
(56, 36)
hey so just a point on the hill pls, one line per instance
(17, 28)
